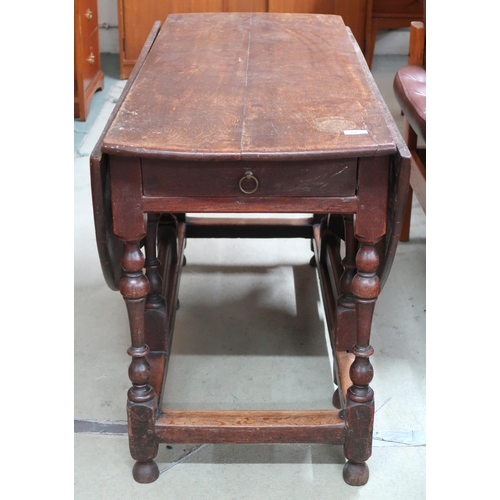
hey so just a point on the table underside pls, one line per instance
(248, 426)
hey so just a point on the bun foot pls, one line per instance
(336, 399)
(312, 262)
(184, 260)
(145, 472)
(356, 474)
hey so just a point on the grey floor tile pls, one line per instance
(244, 472)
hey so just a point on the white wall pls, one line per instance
(108, 16)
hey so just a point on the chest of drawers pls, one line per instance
(88, 75)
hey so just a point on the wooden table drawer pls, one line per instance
(284, 179)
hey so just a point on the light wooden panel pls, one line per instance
(245, 5)
(302, 6)
(183, 6)
(353, 12)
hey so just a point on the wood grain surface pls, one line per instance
(251, 86)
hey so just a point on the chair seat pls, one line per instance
(409, 87)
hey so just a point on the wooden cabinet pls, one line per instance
(88, 75)
(301, 6)
(136, 17)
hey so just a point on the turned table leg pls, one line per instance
(345, 303)
(360, 402)
(156, 310)
(155, 316)
(142, 401)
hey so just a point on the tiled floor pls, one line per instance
(226, 356)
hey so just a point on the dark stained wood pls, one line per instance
(328, 286)
(189, 96)
(155, 314)
(171, 242)
(155, 318)
(358, 444)
(275, 426)
(142, 401)
(207, 227)
(152, 264)
(125, 183)
(346, 326)
(157, 361)
(226, 86)
(365, 289)
(398, 183)
(346, 298)
(302, 121)
(373, 178)
(259, 113)
(291, 178)
(172, 274)
(109, 247)
(142, 440)
(250, 204)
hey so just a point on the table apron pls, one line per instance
(369, 203)
(339, 205)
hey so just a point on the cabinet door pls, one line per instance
(353, 12)
(302, 6)
(136, 20)
(183, 6)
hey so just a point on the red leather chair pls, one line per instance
(410, 90)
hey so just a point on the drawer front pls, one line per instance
(88, 18)
(91, 61)
(325, 178)
(398, 7)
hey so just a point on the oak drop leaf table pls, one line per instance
(250, 113)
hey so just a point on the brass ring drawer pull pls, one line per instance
(249, 176)
(91, 59)
(88, 14)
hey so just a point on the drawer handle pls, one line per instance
(249, 176)
(91, 59)
(88, 14)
